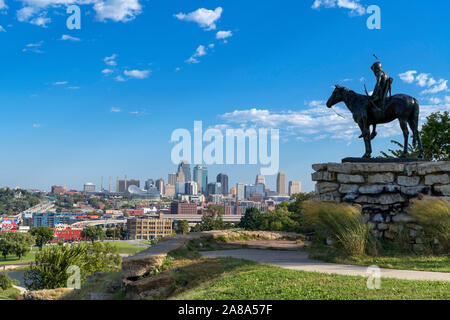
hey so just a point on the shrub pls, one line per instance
(5, 281)
(341, 222)
(433, 215)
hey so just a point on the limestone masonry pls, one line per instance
(383, 190)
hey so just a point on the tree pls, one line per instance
(93, 233)
(17, 244)
(252, 219)
(183, 227)
(51, 264)
(5, 281)
(435, 136)
(43, 235)
(5, 247)
(413, 152)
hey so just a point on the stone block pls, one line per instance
(383, 226)
(437, 179)
(442, 189)
(381, 178)
(348, 188)
(432, 167)
(403, 218)
(340, 167)
(408, 181)
(377, 167)
(320, 166)
(348, 178)
(323, 176)
(414, 191)
(384, 199)
(325, 187)
(371, 189)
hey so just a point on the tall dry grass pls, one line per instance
(343, 223)
(433, 215)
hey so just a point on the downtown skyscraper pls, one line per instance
(201, 177)
(223, 179)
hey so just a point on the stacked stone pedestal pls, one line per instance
(384, 190)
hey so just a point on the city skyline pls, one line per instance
(105, 99)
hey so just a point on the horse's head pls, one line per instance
(336, 96)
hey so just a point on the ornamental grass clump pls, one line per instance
(342, 223)
(433, 215)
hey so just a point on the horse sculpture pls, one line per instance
(400, 106)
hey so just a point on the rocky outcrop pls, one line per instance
(383, 190)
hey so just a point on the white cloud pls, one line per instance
(111, 61)
(353, 5)
(200, 51)
(203, 17)
(60, 83)
(439, 87)
(37, 125)
(223, 34)
(423, 80)
(119, 78)
(2, 29)
(67, 37)
(408, 76)
(107, 71)
(117, 10)
(3, 5)
(137, 74)
(33, 47)
(114, 109)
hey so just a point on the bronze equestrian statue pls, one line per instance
(378, 109)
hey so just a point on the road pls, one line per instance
(297, 260)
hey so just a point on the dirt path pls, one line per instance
(297, 260)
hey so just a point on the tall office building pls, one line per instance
(214, 188)
(122, 185)
(223, 179)
(240, 191)
(281, 183)
(172, 178)
(250, 190)
(295, 187)
(89, 187)
(191, 188)
(260, 179)
(160, 185)
(149, 183)
(180, 176)
(201, 177)
(180, 188)
(186, 168)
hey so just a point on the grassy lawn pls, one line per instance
(197, 277)
(9, 294)
(440, 263)
(97, 285)
(13, 259)
(127, 248)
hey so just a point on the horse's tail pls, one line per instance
(415, 120)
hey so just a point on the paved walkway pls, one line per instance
(297, 260)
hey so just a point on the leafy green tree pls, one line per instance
(43, 235)
(93, 233)
(435, 136)
(5, 281)
(252, 219)
(183, 227)
(51, 264)
(413, 152)
(5, 247)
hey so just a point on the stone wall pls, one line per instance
(383, 190)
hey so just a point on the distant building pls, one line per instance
(281, 184)
(183, 208)
(295, 187)
(186, 168)
(148, 228)
(149, 183)
(201, 177)
(260, 179)
(58, 189)
(191, 188)
(51, 219)
(180, 188)
(65, 233)
(240, 191)
(180, 177)
(89, 187)
(172, 178)
(169, 190)
(233, 191)
(253, 189)
(151, 194)
(160, 185)
(223, 179)
(123, 185)
(214, 188)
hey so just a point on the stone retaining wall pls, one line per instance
(383, 190)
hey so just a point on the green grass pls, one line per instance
(98, 284)
(404, 261)
(14, 259)
(9, 294)
(245, 280)
(127, 248)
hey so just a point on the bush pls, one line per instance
(5, 282)
(433, 215)
(342, 223)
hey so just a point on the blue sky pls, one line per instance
(76, 105)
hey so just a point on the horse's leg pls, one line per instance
(404, 127)
(374, 132)
(365, 129)
(416, 136)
